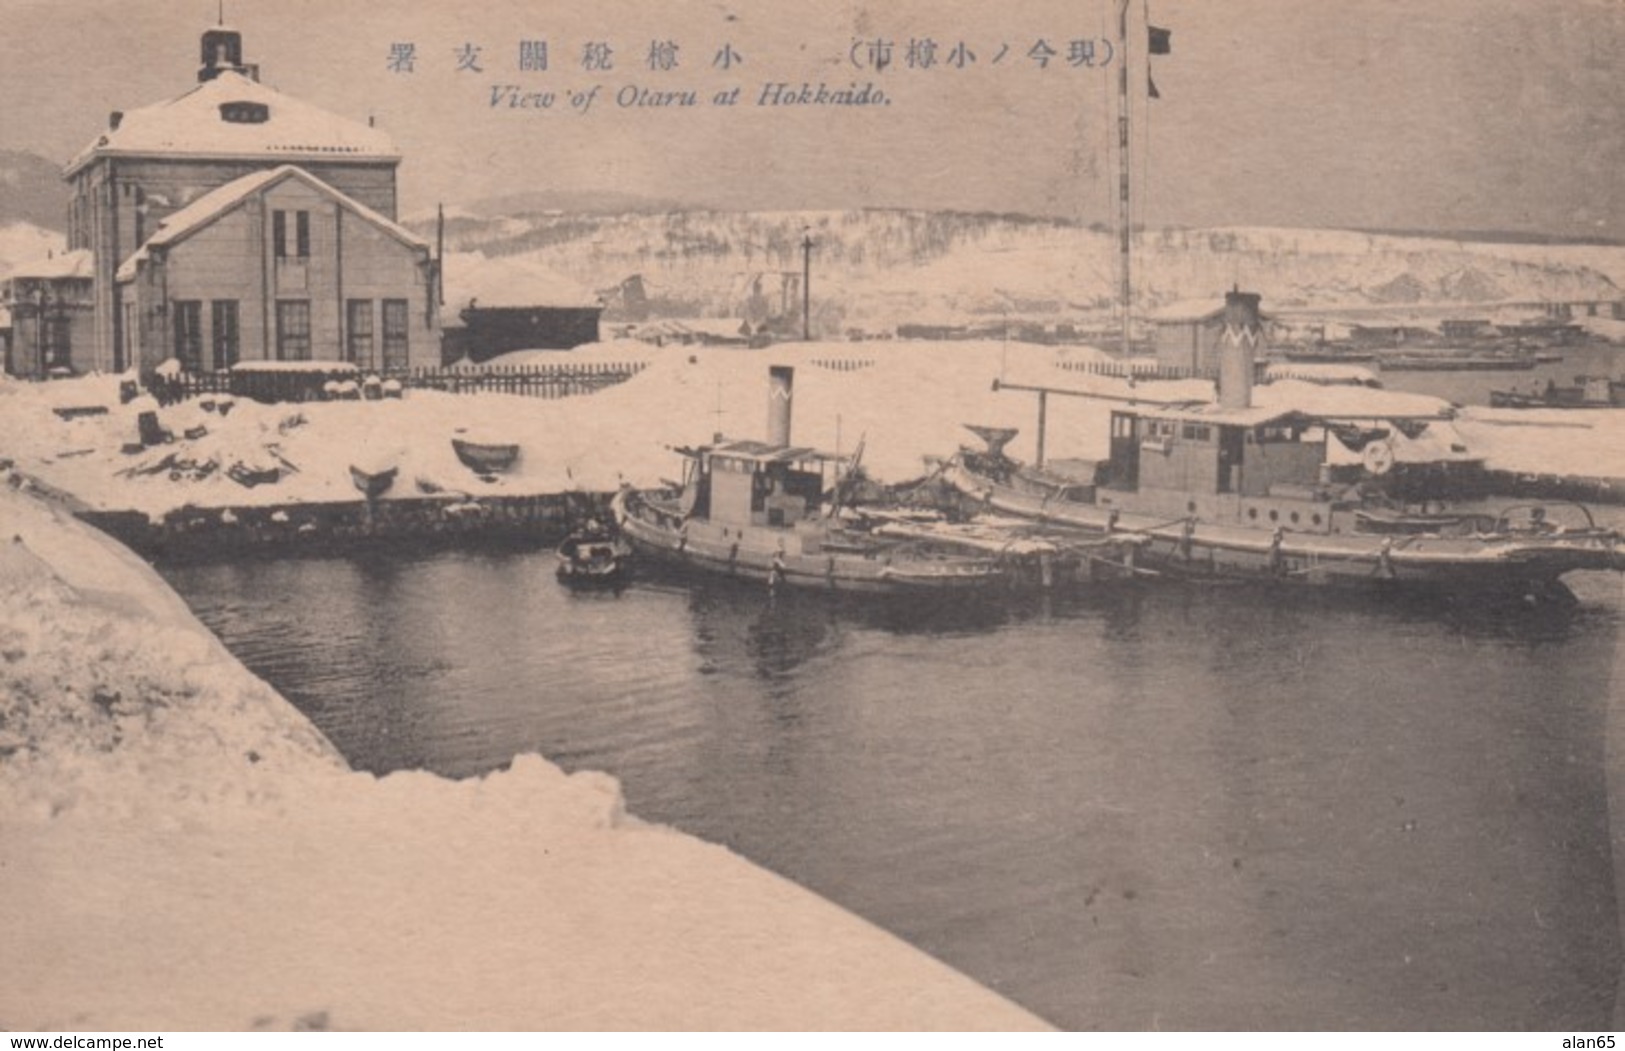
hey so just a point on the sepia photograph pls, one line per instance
(713, 516)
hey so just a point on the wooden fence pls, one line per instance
(560, 380)
(844, 364)
(1125, 370)
(534, 381)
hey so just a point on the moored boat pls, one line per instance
(1230, 488)
(593, 557)
(1444, 362)
(1587, 392)
(755, 510)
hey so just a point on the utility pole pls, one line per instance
(39, 327)
(1125, 217)
(806, 286)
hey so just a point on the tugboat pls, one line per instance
(756, 510)
(1230, 488)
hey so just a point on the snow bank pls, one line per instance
(183, 851)
(905, 402)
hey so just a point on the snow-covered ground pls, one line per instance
(904, 401)
(180, 850)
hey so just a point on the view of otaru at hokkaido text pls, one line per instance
(1075, 514)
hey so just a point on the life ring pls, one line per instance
(1378, 457)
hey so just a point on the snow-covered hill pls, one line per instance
(25, 242)
(876, 269)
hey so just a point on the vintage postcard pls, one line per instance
(1080, 514)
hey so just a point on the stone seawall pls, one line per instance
(208, 531)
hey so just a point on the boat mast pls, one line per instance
(1124, 216)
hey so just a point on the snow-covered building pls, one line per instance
(510, 304)
(1189, 334)
(234, 222)
(47, 305)
(279, 266)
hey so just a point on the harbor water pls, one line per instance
(1129, 808)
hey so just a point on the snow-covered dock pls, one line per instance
(905, 401)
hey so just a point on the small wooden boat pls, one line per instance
(593, 558)
(1445, 362)
(485, 457)
(375, 483)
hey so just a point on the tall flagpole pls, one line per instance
(1125, 219)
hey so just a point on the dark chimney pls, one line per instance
(114, 119)
(781, 381)
(1238, 348)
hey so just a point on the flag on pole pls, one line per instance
(1160, 43)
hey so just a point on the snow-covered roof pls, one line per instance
(193, 125)
(1274, 401)
(75, 264)
(1213, 412)
(177, 226)
(1349, 402)
(471, 278)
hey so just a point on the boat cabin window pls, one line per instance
(1275, 432)
(1160, 428)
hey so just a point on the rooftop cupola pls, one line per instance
(222, 51)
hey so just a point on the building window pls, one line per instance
(358, 332)
(245, 112)
(300, 248)
(58, 343)
(293, 330)
(223, 314)
(188, 326)
(395, 348)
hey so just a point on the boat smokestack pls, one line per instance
(1238, 348)
(781, 388)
